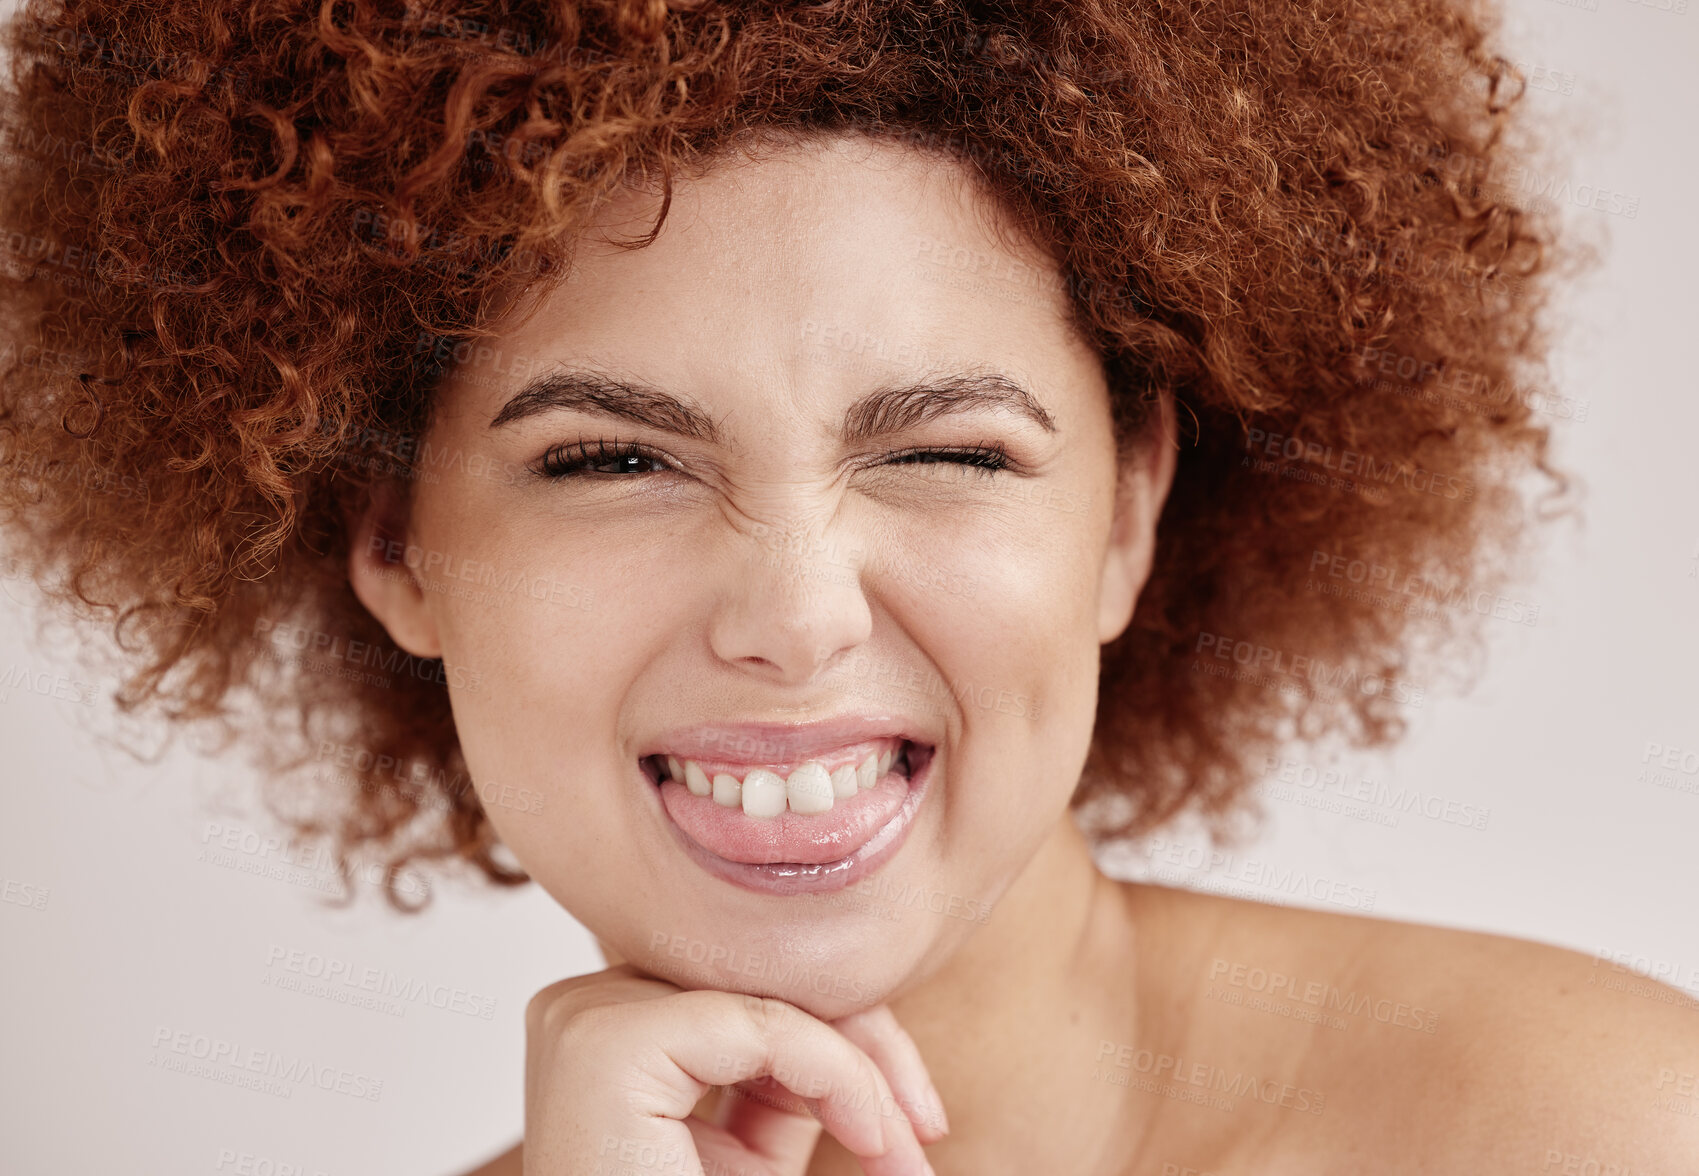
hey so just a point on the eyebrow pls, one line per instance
(890, 409)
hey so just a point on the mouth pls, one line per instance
(800, 827)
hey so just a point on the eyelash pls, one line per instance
(559, 461)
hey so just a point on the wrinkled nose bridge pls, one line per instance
(794, 524)
(799, 542)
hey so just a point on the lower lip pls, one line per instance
(789, 878)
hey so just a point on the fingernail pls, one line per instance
(938, 1108)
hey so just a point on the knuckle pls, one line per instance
(586, 1023)
(767, 1013)
(538, 1007)
(560, 1011)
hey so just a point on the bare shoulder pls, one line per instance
(509, 1163)
(1451, 1047)
(1558, 1057)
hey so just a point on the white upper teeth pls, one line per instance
(810, 788)
(845, 782)
(764, 793)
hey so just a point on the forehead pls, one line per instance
(843, 197)
(866, 256)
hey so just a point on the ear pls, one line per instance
(378, 569)
(1141, 489)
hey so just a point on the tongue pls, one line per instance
(799, 838)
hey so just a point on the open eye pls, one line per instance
(599, 458)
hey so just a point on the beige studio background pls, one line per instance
(1558, 802)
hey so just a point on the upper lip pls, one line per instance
(758, 743)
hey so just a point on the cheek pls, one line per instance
(538, 699)
(526, 605)
(1004, 601)
(1019, 659)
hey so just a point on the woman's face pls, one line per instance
(781, 573)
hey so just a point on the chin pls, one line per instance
(827, 969)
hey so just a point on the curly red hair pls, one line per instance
(238, 268)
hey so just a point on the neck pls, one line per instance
(1011, 1025)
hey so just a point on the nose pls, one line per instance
(793, 607)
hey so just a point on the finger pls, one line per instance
(611, 986)
(881, 1037)
(768, 1120)
(718, 1039)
